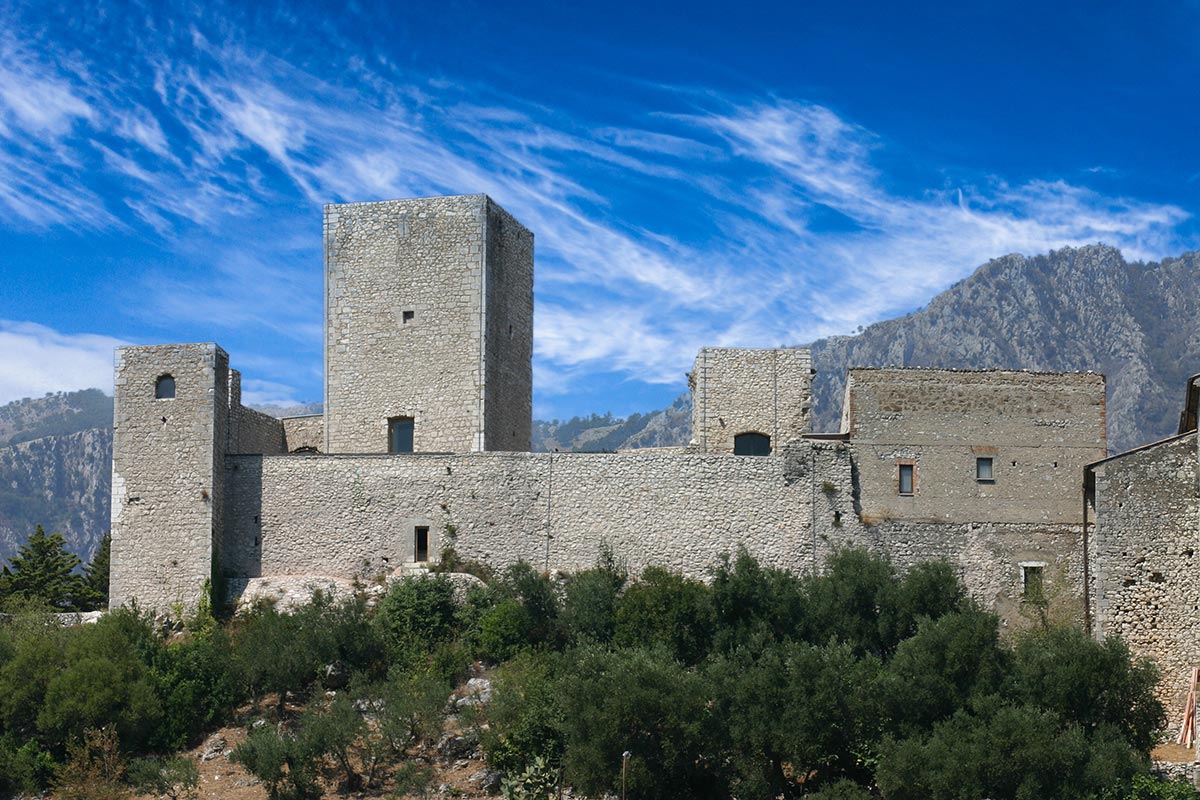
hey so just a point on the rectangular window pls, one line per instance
(421, 543)
(983, 470)
(906, 479)
(1033, 583)
(400, 435)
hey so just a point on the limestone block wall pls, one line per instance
(508, 351)
(252, 431)
(166, 488)
(407, 317)
(1039, 430)
(1144, 562)
(355, 515)
(750, 391)
(303, 432)
(988, 556)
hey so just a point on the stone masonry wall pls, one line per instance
(406, 323)
(252, 431)
(1144, 562)
(166, 480)
(508, 398)
(355, 515)
(304, 432)
(750, 391)
(987, 555)
(1039, 429)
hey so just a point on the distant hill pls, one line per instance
(1071, 309)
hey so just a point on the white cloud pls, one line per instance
(763, 220)
(38, 359)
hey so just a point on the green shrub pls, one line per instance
(415, 615)
(525, 715)
(287, 765)
(1089, 682)
(643, 702)
(590, 601)
(174, 778)
(793, 712)
(663, 608)
(754, 605)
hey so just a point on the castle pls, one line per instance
(424, 446)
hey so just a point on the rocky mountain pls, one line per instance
(1071, 309)
(55, 469)
(1081, 308)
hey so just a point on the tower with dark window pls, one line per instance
(428, 327)
(750, 402)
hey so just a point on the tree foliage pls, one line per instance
(44, 572)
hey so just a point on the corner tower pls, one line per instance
(428, 327)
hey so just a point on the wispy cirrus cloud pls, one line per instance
(697, 218)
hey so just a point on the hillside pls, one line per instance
(1072, 309)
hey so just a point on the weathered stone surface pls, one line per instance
(738, 391)
(429, 315)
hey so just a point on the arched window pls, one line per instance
(164, 388)
(752, 444)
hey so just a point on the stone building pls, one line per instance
(424, 445)
(1142, 551)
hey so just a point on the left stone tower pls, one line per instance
(170, 423)
(428, 327)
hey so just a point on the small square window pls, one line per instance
(407, 317)
(905, 485)
(983, 470)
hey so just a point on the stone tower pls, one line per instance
(750, 401)
(170, 420)
(428, 327)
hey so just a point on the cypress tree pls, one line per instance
(43, 571)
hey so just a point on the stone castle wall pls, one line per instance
(355, 515)
(1039, 430)
(407, 317)
(1144, 558)
(750, 391)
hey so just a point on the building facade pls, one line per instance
(424, 445)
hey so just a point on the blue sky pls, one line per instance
(696, 174)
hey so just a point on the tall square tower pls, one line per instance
(428, 327)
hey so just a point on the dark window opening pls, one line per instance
(400, 435)
(752, 444)
(421, 543)
(408, 316)
(164, 388)
(983, 470)
(905, 484)
(1034, 583)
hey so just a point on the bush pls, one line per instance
(415, 615)
(643, 702)
(590, 601)
(1088, 682)
(286, 765)
(795, 714)
(174, 778)
(1006, 752)
(754, 605)
(525, 715)
(666, 609)
(518, 612)
(198, 684)
(936, 672)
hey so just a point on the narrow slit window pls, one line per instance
(164, 388)
(983, 470)
(752, 444)
(905, 482)
(421, 543)
(1033, 583)
(400, 435)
